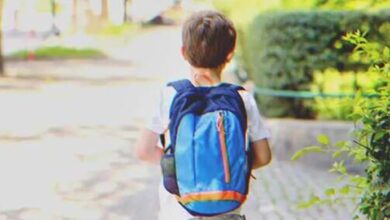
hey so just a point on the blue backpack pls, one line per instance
(208, 163)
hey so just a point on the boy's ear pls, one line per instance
(183, 52)
(229, 57)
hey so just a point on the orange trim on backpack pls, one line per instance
(213, 196)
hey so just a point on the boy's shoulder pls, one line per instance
(188, 83)
(168, 91)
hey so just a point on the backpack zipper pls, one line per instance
(222, 141)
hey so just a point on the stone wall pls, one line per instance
(288, 136)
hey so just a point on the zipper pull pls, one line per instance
(218, 123)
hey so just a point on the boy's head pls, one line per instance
(209, 39)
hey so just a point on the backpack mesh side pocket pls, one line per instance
(168, 168)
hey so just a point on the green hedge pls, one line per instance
(282, 50)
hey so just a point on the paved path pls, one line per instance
(67, 133)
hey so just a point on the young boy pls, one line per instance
(209, 41)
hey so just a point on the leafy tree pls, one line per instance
(371, 144)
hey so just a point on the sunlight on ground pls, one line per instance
(65, 149)
(67, 130)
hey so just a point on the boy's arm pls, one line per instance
(146, 147)
(261, 153)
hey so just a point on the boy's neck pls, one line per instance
(206, 76)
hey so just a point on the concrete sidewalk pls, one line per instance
(66, 152)
(67, 132)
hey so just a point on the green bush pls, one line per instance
(332, 81)
(370, 144)
(282, 50)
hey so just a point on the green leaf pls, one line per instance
(306, 150)
(330, 192)
(359, 181)
(344, 190)
(298, 155)
(323, 139)
(339, 167)
(337, 154)
(342, 169)
(341, 144)
(313, 201)
(314, 149)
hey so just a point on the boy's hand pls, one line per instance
(262, 153)
(146, 147)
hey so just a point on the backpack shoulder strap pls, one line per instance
(232, 86)
(181, 85)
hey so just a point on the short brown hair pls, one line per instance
(208, 37)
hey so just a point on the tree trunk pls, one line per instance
(16, 20)
(1, 39)
(75, 12)
(125, 11)
(92, 20)
(54, 27)
(104, 14)
(53, 8)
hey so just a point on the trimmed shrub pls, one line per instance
(282, 50)
(331, 81)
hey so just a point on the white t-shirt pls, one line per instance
(169, 207)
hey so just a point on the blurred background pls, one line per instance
(79, 79)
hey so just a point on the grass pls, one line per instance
(58, 52)
(110, 30)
